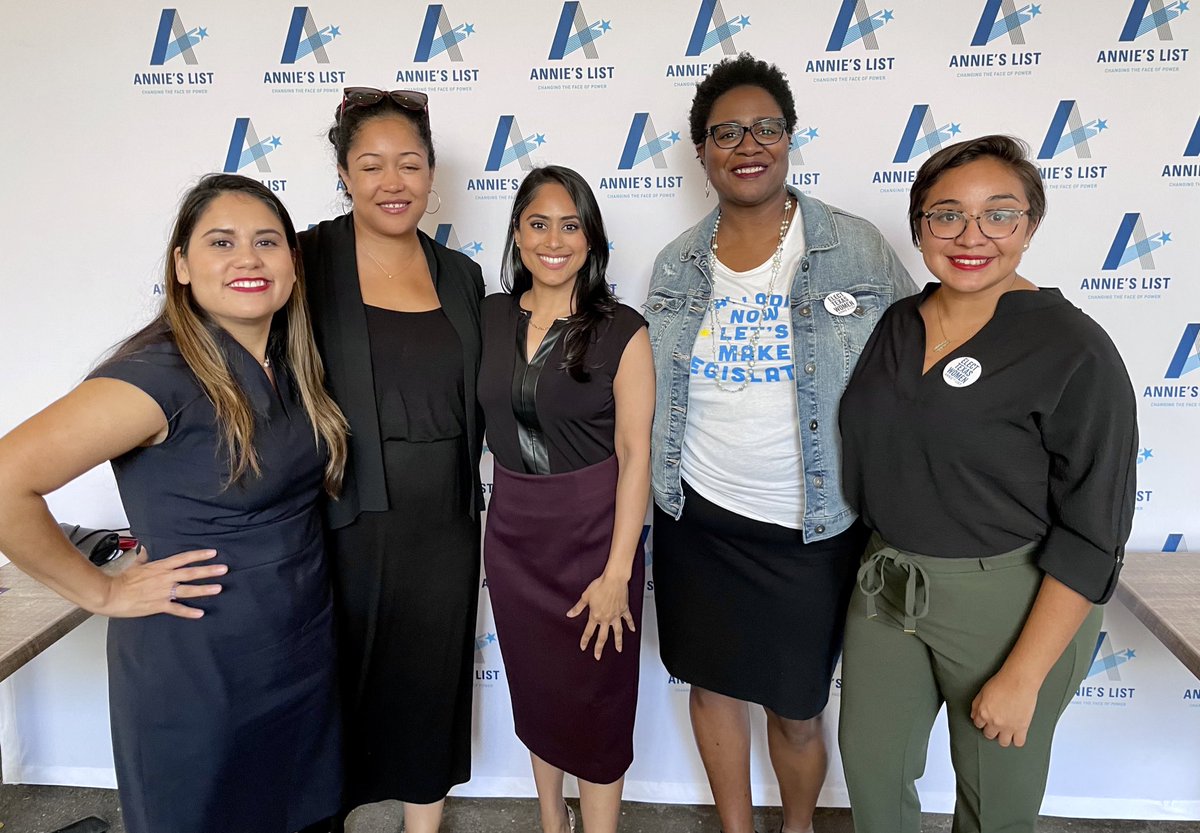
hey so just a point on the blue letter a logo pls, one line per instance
(574, 33)
(1193, 145)
(1159, 18)
(992, 24)
(245, 147)
(1104, 660)
(508, 145)
(304, 38)
(855, 23)
(644, 142)
(438, 36)
(1132, 243)
(921, 135)
(1068, 131)
(1187, 354)
(721, 32)
(173, 40)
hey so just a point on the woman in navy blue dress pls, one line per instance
(222, 438)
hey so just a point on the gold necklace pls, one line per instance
(539, 326)
(377, 263)
(937, 308)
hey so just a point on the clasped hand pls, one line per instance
(148, 587)
(607, 603)
(1003, 709)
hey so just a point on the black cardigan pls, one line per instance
(340, 327)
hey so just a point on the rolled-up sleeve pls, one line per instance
(1091, 438)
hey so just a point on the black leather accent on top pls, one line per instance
(535, 456)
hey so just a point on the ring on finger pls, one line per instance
(174, 589)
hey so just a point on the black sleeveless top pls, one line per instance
(418, 367)
(539, 419)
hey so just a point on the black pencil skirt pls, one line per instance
(747, 609)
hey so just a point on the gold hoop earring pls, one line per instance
(434, 192)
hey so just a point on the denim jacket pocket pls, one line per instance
(854, 329)
(660, 311)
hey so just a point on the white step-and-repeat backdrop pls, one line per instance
(112, 110)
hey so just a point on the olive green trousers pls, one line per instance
(923, 631)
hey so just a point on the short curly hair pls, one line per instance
(743, 71)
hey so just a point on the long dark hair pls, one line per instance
(185, 323)
(593, 299)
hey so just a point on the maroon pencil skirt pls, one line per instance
(547, 539)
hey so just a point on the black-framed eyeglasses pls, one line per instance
(412, 100)
(729, 135)
(997, 224)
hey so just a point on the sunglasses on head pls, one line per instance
(368, 96)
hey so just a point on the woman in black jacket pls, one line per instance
(396, 317)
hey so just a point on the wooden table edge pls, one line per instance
(1169, 636)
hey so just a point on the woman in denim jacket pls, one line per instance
(757, 315)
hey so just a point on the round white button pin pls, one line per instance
(962, 372)
(840, 303)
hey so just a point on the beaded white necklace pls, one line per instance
(714, 323)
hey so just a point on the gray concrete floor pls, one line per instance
(25, 809)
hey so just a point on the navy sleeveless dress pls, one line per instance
(227, 722)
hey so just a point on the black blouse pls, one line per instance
(539, 419)
(418, 364)
(1033, 440)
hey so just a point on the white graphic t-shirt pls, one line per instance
(741, 450)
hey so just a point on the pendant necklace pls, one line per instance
(377, 263)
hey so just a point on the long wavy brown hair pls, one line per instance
(184, 322)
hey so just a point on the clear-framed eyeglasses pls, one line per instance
(728, 135)
(997, 224)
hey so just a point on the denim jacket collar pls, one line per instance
(820, 232)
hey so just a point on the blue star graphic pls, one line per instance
(1183, 7)
(202, 33)
(811, 133)
(1166, 237)
(476, 248)
(605, 25)
(1101, 124)
(611, 245)
(887, 15)
(539, 139)
(674, 137)
(1146, 453)
(334, 31)
(1034, 11)
(954, 129)
(469, 28)
(275, 141)
(745, 21)
(1129, 654)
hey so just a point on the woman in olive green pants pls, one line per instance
(894, 683)
(988, 439)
